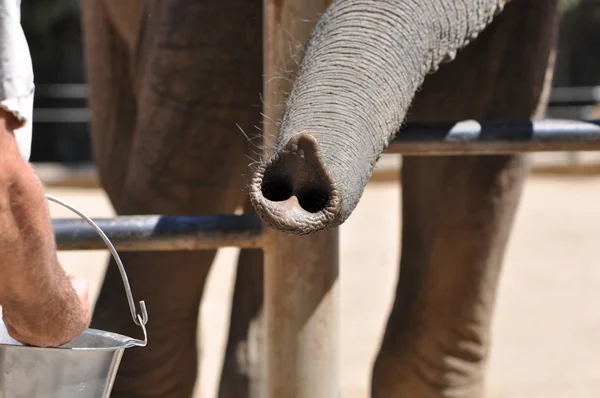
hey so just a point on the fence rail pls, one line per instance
(161, 233)
(496, 137)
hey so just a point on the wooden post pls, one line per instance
(302, 316)
(301, 273)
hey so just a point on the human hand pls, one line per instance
(55, 320)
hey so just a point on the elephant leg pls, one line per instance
(197, 71)
(437, 337)
(111, 98)
(241, 377)
(458, 212)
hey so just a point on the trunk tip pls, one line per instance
(293, 192)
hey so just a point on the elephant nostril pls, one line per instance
(293, 192)
(277, 190)
(313, 200)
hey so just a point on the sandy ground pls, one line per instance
(546, 333)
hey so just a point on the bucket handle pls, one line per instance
(138, 319)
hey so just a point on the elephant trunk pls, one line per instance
(362, 66)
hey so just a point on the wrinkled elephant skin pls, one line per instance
(170, 80)
(363, 74)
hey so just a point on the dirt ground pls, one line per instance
(547, 327)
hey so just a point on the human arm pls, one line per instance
(41, 304)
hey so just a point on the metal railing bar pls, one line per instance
(471, 137)
(575, 95)
(61, 115)
(62, 90)
(161, 233)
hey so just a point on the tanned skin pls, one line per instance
(42, 305)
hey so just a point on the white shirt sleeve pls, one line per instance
(16, 72)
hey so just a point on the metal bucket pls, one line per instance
(86, 367)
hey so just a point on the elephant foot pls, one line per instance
(427, 371)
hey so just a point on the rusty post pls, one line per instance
(301, 273)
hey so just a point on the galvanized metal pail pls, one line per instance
(84, 368)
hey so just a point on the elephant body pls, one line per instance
(169, 81)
